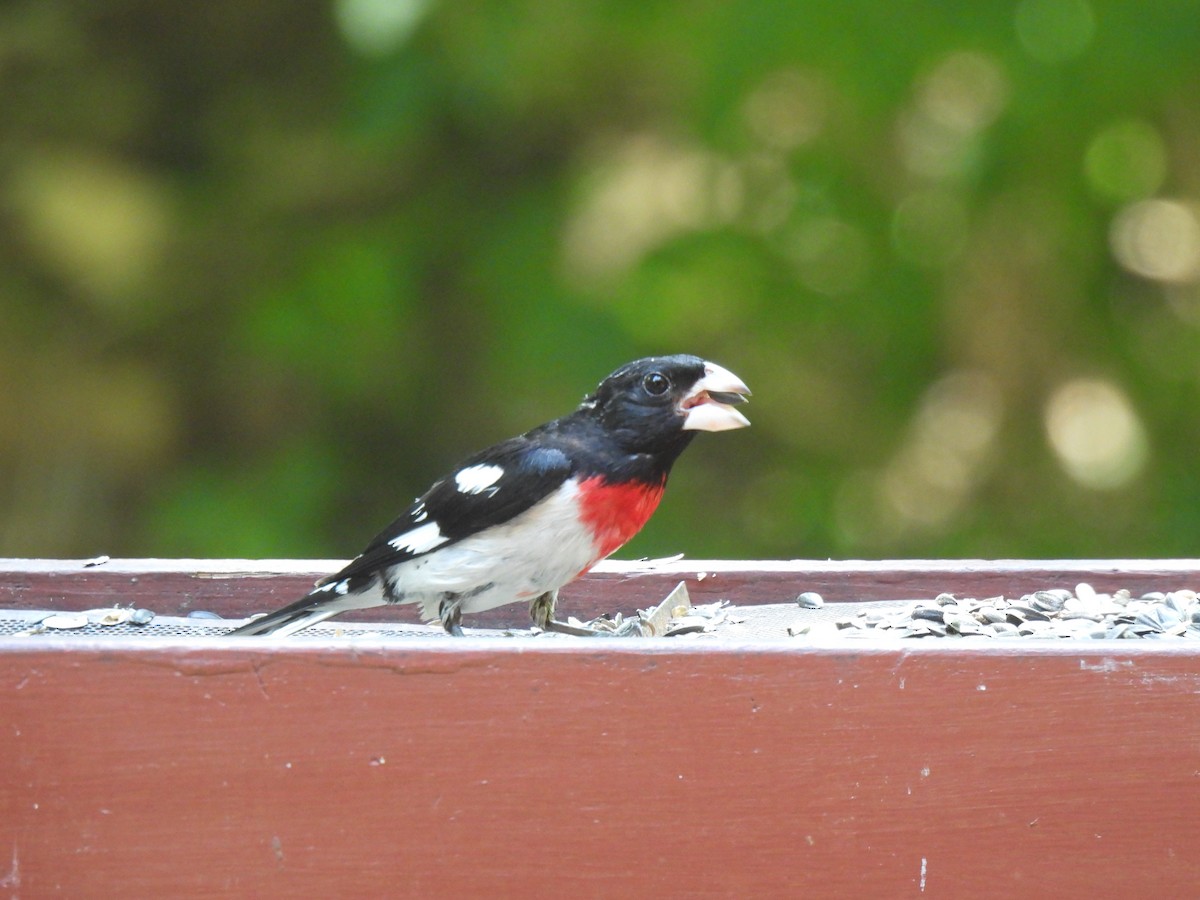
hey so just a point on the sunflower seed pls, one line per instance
(1049, 601)
(1026, 612)
(109, 617)
(927, 613)
(141, 617)
(962, 623)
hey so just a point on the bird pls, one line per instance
(519, 520)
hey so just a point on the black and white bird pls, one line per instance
(521, 519)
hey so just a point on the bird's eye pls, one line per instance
(656, 384)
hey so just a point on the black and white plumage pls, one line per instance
(519, 520)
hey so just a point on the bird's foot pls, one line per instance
(451, 617)
(541, 610)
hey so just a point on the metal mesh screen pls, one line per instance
(753, 622)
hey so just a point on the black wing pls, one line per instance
(527, 473)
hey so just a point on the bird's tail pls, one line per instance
(316, 606)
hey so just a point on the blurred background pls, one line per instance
(267, 268)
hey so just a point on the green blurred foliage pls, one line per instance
(268, 268)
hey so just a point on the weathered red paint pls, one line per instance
(211, 767)
(616, 512)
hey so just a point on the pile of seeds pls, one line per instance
(1058, 613)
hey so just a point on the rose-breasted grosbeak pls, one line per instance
(521, 519)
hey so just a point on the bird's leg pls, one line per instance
(450, 613)
(541, 610)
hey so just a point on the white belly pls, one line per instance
(540, 550)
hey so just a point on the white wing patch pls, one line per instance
(337, 587)
(478, 479)
(419, 540)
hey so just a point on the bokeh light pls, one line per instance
(1055, 31)
(377, 27)
(1127, 160)
(788, 110)
(1158, 239)
(643, 191)
(962, 95)
(930, 227)
(98, 223)
(1096, 433)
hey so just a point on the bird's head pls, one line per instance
(655, 404)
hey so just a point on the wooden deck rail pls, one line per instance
(192, 766)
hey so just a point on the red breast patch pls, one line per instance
(616, 512)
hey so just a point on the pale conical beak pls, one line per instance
(709, 404)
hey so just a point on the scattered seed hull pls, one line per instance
(1082, 614)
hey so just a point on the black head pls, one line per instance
(654, 405)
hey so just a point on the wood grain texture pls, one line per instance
(237, 588)
(206, 768)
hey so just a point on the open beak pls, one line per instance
(709, 404)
